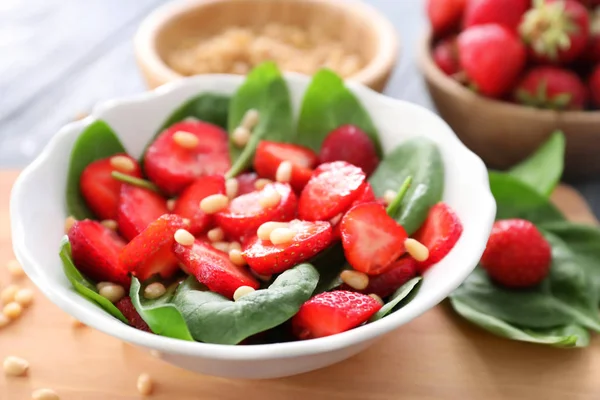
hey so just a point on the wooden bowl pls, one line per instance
(503, 133)
(359, 26)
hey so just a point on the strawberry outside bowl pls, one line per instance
(38, 213)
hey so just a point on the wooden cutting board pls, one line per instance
(436, 356)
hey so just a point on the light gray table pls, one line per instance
(59, 58)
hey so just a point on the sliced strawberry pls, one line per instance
(188, 203)
(270, 154)
(387, 283)
(151, 252)
(128, 310)
(138, 207)
(245, 214)
(331, 190)
(267, 258)
(95, 252)
(372, 239)
(100, 190)
(333, 312)
(173, 167)
(246, 182)
(366, 195)
(349, 143)
(213, 268)
(439, 233)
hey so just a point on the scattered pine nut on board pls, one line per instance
(436, 356)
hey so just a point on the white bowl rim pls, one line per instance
(116, 328)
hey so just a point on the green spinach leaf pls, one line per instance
(207, 107)
(82, 285)
(160, 314)
(420, 159)
(393, 209)
(515, 199)
(565, 336)
(266, 91)
(329, 263)
(543, 169)
(399, 298)
(97, 141)
(328, 104)
(212, 318)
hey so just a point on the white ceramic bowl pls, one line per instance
(38, 211)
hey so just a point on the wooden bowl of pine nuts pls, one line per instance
(192, 37)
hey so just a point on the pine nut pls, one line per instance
(144, 384)
(112, 292)
(269, 198)
(8, 294)
(355, 279)
(284, 172)
(154, 290)
(110, 224)
(15, 366)
(214, 203)
(235, 246)
(216, 235)
(183, 237)
(336, 220)
(77, 323)
(264, 231)
(250, 119)
(261, 183)
(15, 269)
(231, 188)
(240, 136)
(45, 394)
(377, 298)
(241, 292)
(186, 140)
(12, 310)
(171, 204)
(187, 222)
(222, 246)
(4, 321)
(282, 235)
(389, 196)
(236, 257)
(416, 249)
(122, 163)
(100, 285)
(24, 297)
(69, 221)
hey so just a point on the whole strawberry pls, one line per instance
(445, 55)
(504, 12)
(552, 88)
(516, 255)
(445, 15)
(595, 86)
(492, 57)
(556, 31)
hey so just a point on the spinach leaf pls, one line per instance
(266, 91)
(543, 169)
(207, 107)
(394, 208)
(329, 263)
(97, 141)
(399, 298)
(515, 199)
(212, 318)
(160, 314)
(565, 336)
(82, 285)
(420, 159)
(328, 104)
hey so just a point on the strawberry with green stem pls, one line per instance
(551, 88)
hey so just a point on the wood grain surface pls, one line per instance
(436, 356)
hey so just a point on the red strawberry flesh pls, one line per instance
(188, 203)
(445, 15)
(351, 144)
(553, 88)
(138, 207)
(387, 283)
(508, 13)
(128, 310)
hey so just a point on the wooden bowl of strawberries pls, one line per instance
(505, 74)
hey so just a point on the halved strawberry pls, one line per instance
(334, 312)
(100, 190)
(151, 252)
(188, 203)
(267, 258)
(95, 252)
(387, 283)
(128, 310)
(213, 268)
(439, 233)
(246, 182)
(172, 167)
(331, 190)
(366, 195)
(372, 240)
(138, 207)
(349, 143)
(270, 154)
(245, 214)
